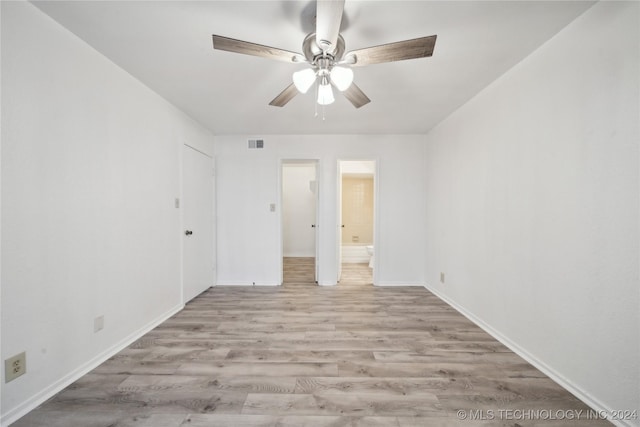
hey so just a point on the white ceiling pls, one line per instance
(167, 45)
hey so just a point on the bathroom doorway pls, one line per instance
(357, 222)
(299, 201)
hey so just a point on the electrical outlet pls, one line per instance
(441, 277)
(15, 366)
(98, 324)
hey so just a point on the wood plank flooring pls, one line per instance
(303, 355)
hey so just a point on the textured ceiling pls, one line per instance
(167, 45)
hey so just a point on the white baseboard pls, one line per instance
(581, 394)
(299, 255)
(242, 283)
(36, 400)
(403, 284)
(327, 283)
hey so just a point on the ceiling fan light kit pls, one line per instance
(324, 52)
(325, 94)
(341, 77)
(304, 79)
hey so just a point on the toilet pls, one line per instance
(371, 255)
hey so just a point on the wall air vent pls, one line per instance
(256, 143)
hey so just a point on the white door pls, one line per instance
(317, 222)
(340, 225)
(197, 220)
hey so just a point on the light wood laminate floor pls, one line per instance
(303, 355)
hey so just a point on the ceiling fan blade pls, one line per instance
(408, 49)
(284, 96)
(356, 96)
(328, 19)
(247, 48)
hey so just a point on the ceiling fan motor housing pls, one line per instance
(314, 53)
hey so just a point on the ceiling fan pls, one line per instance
(324, 52)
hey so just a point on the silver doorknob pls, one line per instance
(188, 232)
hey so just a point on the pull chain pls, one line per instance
(315, 103)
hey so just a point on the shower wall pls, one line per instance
(357, 211)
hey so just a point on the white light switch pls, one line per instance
(272, 207)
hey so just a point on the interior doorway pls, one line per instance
(357, 221)
(299, 201)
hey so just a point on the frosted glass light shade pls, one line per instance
(342, 77)
(303, 79)
(325, 95)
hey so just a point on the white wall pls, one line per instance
(532, 207)
(90, 170)
(298, 210)
(359, 167)
(247, 182)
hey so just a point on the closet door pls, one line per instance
(198, 240)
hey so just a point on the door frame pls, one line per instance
(376, 214)
(316, 163)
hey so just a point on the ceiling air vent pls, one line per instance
(256, 143)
